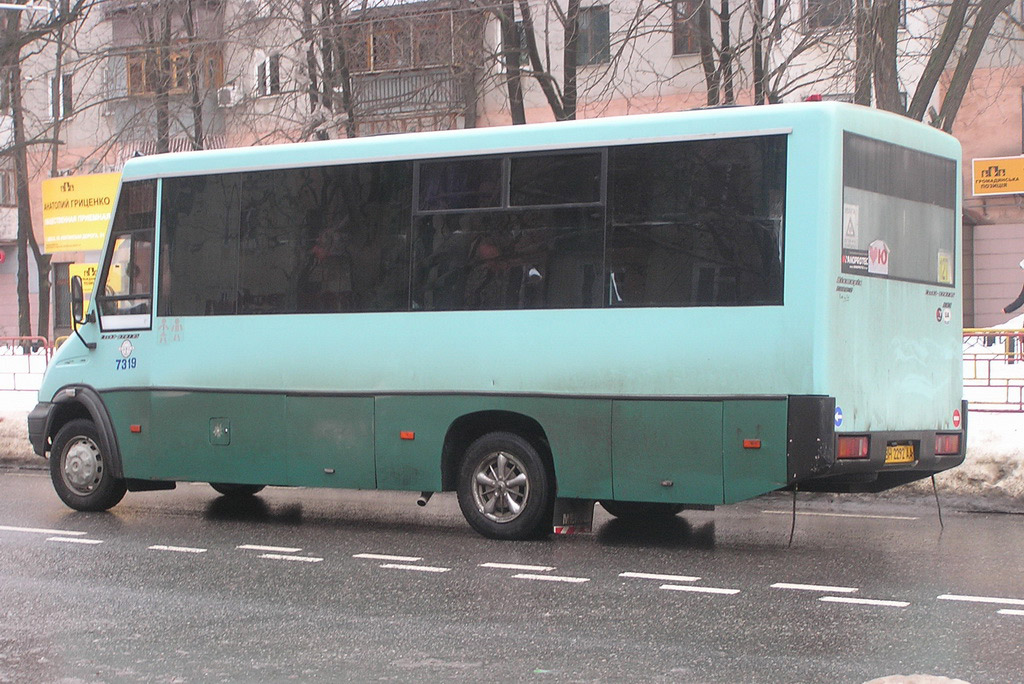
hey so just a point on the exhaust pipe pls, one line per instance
(424, 498)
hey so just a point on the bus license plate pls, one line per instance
(899, 453)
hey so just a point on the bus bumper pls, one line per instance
(887, 463)
(38, 419)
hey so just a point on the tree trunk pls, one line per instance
(757, 51)
(21, 179)
(194, 67)
(863, 67)
(572, 25)
(938, 59)
(511, 54)
(725, 60)
(885, 24)
(540, 73)
(983, 22)
(707, 53)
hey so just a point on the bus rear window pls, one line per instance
(899, 216)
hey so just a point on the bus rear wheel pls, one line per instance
(505, 488)
(641, 510)
(81, 472)
(236, 490)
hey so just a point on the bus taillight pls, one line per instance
(852, 446)
(946, 445)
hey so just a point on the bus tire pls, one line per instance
(80, 471)
(641, 510)
(236, 490)
(505, 488)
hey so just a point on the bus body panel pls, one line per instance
(627, 399)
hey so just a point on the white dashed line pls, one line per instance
(179, 549)
(845, 515)
(662, 578)
(385, 557)
(302, 559)
(551, 578)
(864, 602)
(75, 540)
(1010, 611)
(420, 568)
(983, 599)
(699, 590)
(814, 587)
(271, 549)
(37, 530)
(514, 566)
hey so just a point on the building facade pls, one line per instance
(170, 75)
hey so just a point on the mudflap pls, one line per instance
(573, 516)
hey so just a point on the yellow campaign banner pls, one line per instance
(999, 176)
(76, 211)
(87, 272)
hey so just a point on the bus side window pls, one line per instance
(127, 279)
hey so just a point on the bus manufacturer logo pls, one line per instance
(126, 349)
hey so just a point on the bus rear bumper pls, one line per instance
(881, 469)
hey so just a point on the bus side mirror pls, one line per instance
(77, 300)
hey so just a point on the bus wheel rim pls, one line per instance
(83, 466)
(501, 487)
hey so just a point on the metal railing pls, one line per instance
(994, 369)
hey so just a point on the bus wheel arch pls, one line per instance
(472, 426)
(85, 403)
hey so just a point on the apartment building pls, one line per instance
(169, 75)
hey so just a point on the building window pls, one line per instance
(8, 188)
(268, 76)
(592, 36)
(685, 27)
(60, 97)
(820, 14)
(144, 72)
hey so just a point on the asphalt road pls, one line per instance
(322, 585)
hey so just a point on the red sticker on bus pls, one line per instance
(956, 418)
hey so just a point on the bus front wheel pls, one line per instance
(235, 490)
(505, 488)
(81, 472)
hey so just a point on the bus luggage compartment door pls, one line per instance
(669, 451)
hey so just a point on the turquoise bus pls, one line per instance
(652, 312)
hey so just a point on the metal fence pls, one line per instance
(994, 369)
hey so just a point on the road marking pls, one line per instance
(515, 566)
(271, 549)
(814, 587)
(421, 568)
(1010, 611)
(663, 578)
(983, 599)
(381, 556)
(302, 559)
(38, 530)
(551, 578)
(864, 602)
(699, 590)
(845, 515)
(179, 549)
(75, 540)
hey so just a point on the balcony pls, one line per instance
(409, 92)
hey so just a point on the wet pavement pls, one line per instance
(305, 585)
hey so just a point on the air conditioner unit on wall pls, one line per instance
(228, 96)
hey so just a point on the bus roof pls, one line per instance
(696, 123)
